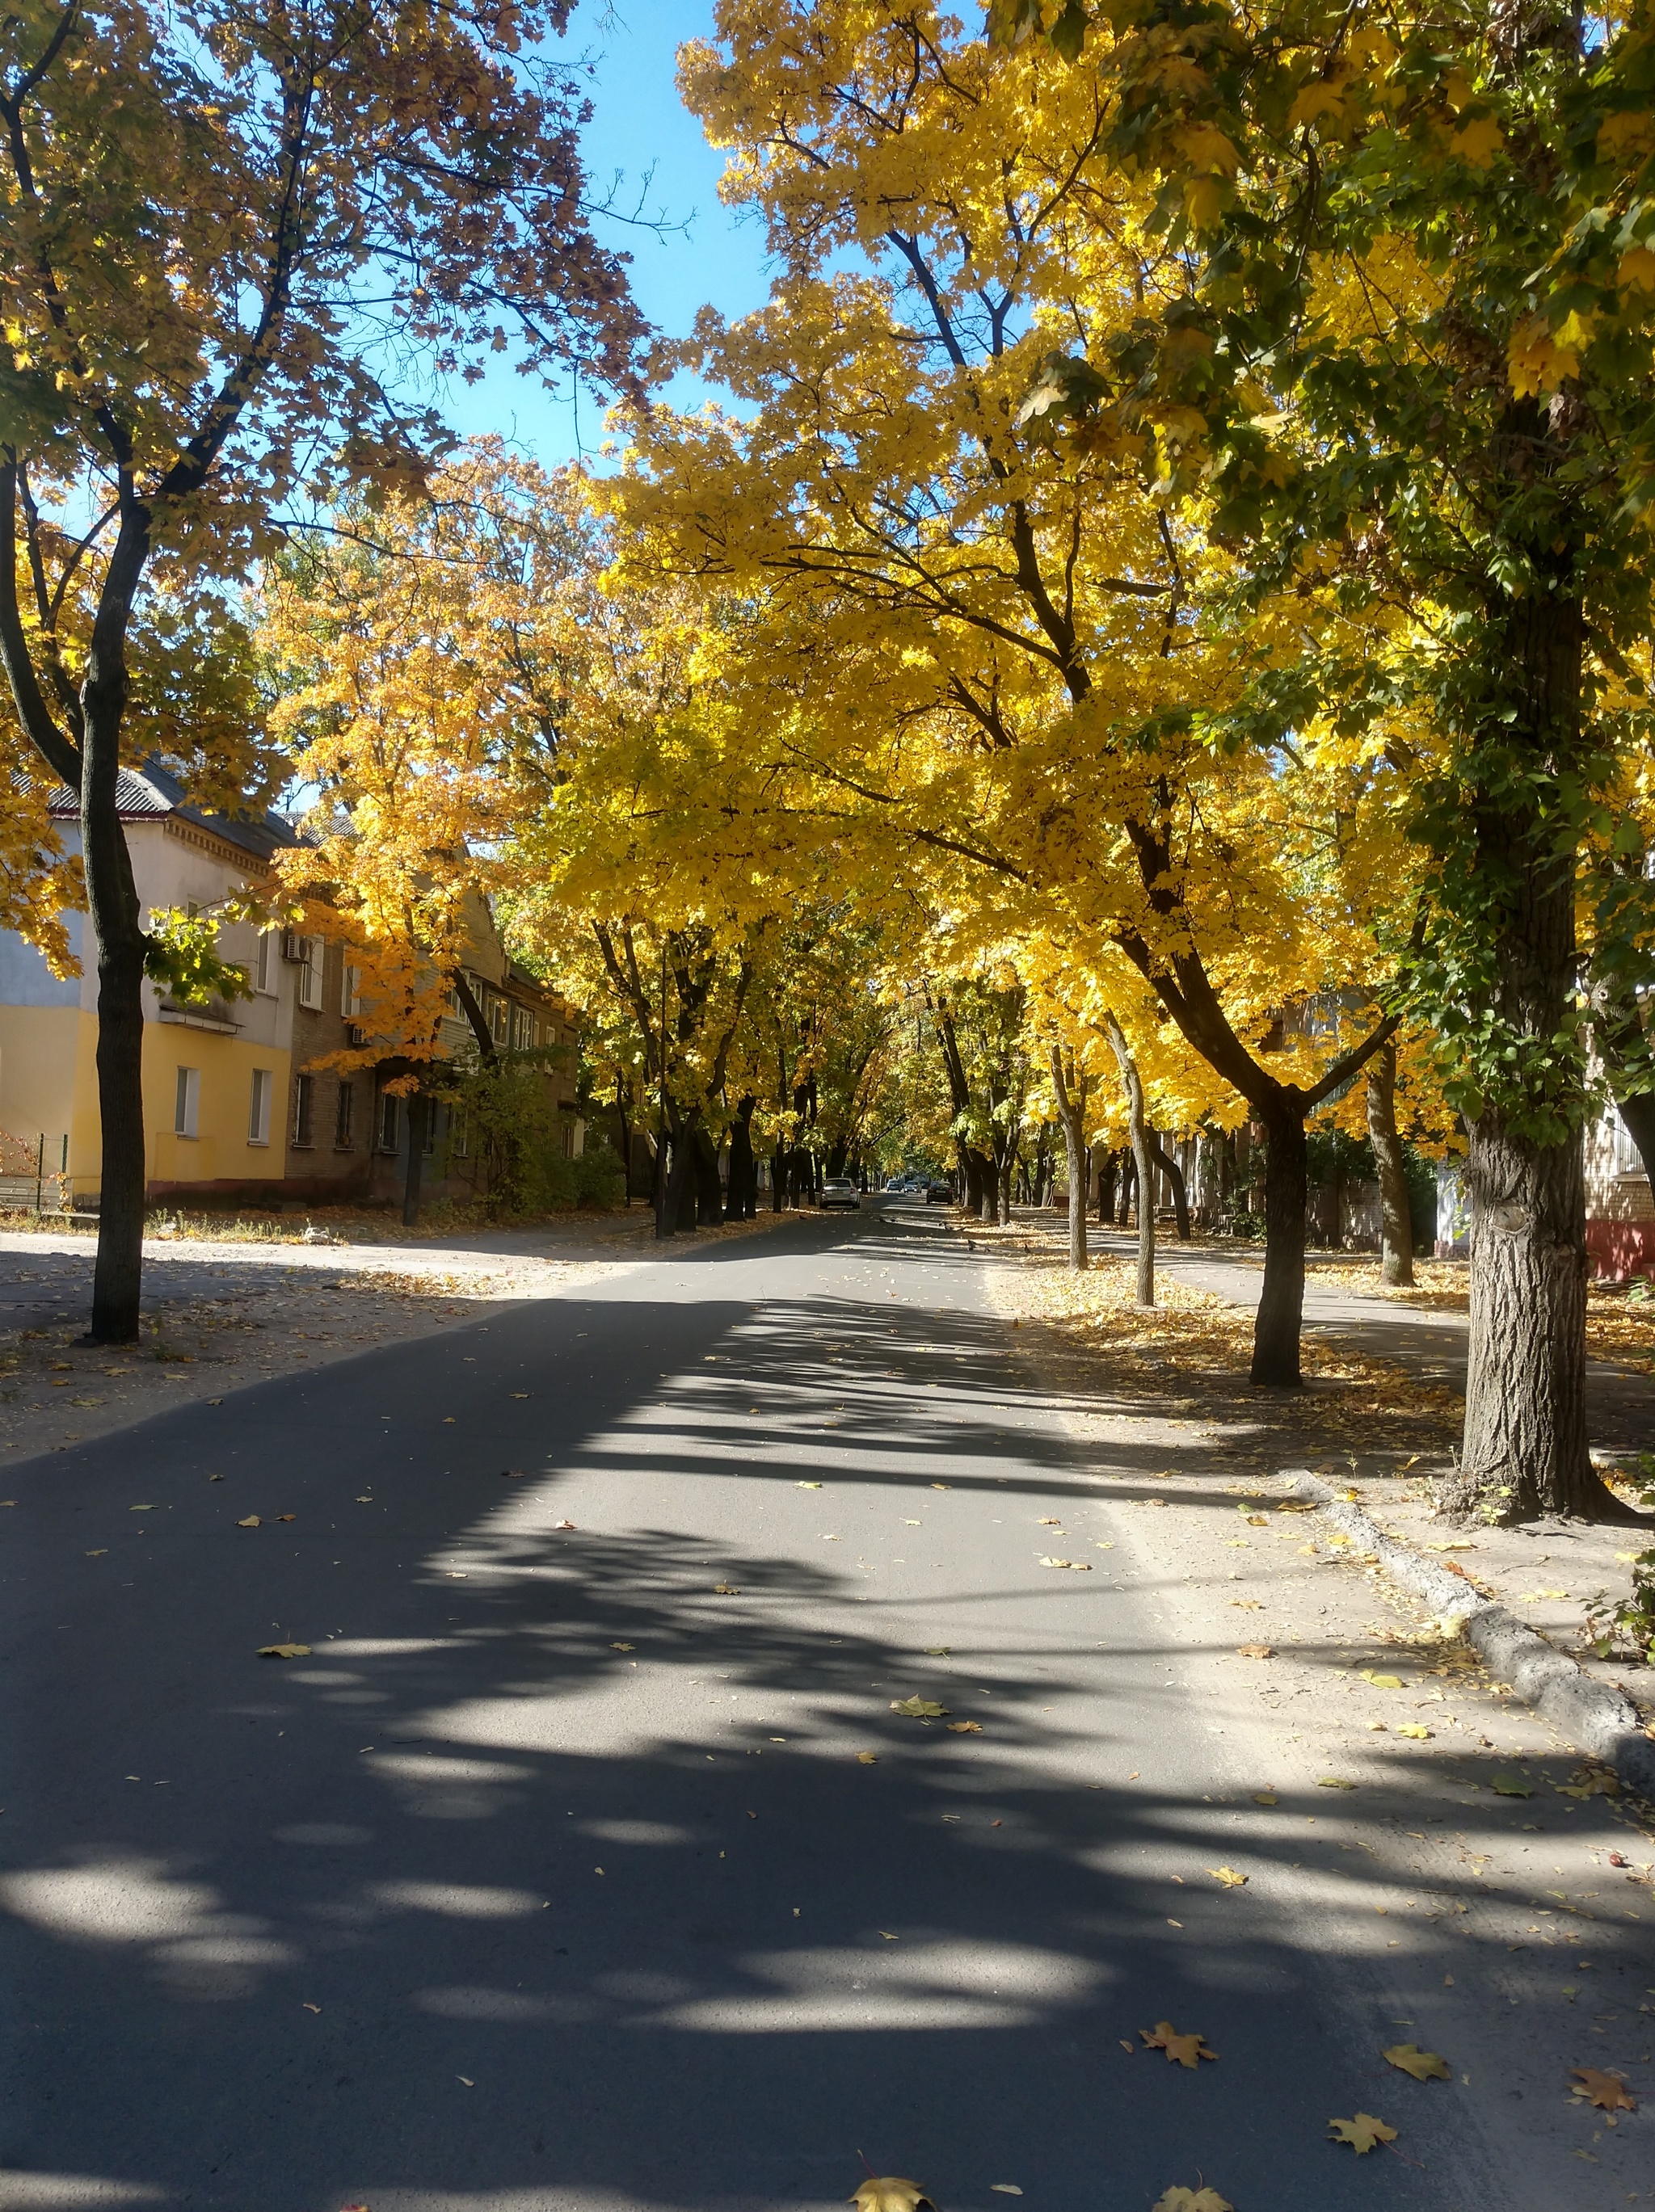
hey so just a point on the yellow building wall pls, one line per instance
(219, 1152)
(49, 1083)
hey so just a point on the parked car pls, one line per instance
(839, 1190)
(938, 1193)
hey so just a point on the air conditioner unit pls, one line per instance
(356, 1036)
(293, 947)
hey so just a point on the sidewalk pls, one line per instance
(1547, 1572)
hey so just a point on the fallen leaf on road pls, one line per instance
(919, 1709)
(1423, 2065)
(1382, 1682)
(364, 1500)
(251, 1522)
(889, 2193)
(1607, 2091)
(520, 1394)
(807, 1486)
(1511, 1785)
(284, 1651)
(287, 1516)
(942, 1485)
(939, 1651)
(1255, 1650)
(1228, 1876)
(726, 1589)
(563, 1524)
(448, 1423)
(101, 1554)
(867, 1759)
(511, 1475)
(1249, 1604)
(1333, 1782)
(888, 1936)
(1191, 2200)
(311, 2007)
(130, 1509)
(1047, 1521)
(622, 1647)
(1363, 2132)
(1457, 1544)
(965, 1728)
(1005, 2188)
(466, 2078)
(1419, 1734)
(1074, 1566)
(1180, 2049)
(1263, 1798)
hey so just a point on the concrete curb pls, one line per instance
(1597, 1720)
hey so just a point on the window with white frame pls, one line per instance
(187, 1102)
(310, 974)
(1628, 1160)
(268, 964)
(258, 1107)
(350, 1003)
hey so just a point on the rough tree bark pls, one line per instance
(1070, 1088)
(1142, 1160)
(1395, 1209)
(1525, 1449)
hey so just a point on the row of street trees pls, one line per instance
(1162, 616)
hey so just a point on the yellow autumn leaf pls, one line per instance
(1535, 363)
(1228, 1876)
(283, 1651)
(1423, 2065)
(1478, 141)
(1635, 272)
(1312, 102)
(251, 1521)
(918, 1709)
(1363, 2132)
(1412, 1729)
(890, 2193)
(1191, 2200)
(1203, 201)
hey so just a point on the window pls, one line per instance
(390, 1120)
(350, 1003)
(498, 1015)
(310, 975)
(304, 1109)
(187, 1102)
(267, 967)
(1628, 1160)
(345, 1118)
(522, 1024)
(258, 1107)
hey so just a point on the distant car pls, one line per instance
(894, 1184)
(938, 1193)
(839, 1190)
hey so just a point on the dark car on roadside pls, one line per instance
(938, 1193)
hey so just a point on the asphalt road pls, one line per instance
(555, 1876)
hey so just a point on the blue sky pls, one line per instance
(638, 125)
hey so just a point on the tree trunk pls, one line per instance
(1396, 1208)
(1107, 1167)
(1525, 1451)
(113, 901)
(1169, 1167)
(1071, 1096)
(709, 1198)
(419, 1108)
(1286, 1192)
(1143, 1141)
(1525, 1448)
(744, 1183)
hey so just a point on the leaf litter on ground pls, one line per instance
(1180, 2049)
(1423, 2065)
(1363, 2132)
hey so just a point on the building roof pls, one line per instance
(154, 793)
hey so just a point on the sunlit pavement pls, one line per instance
(590, 1867)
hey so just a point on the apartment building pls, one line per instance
(213, 1076)
(246, 1099)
